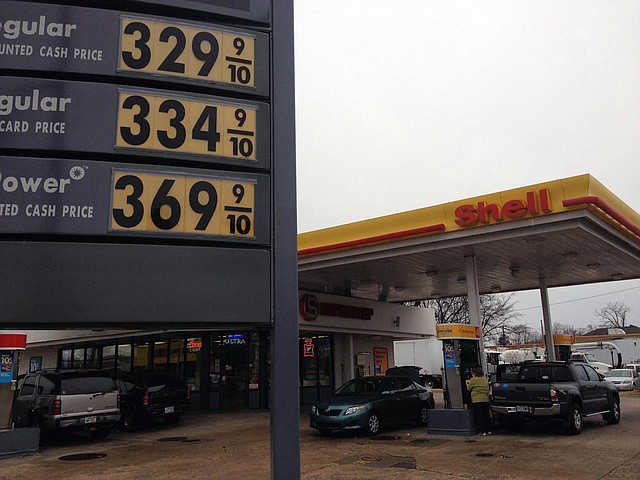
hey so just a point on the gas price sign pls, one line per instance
(164, 123)
(186, 51)
(83, 40)
(184, 204)
(86, 117)
(59, 196)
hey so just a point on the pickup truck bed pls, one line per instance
(567, 391)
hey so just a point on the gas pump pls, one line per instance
(562, 346)
(461, 352)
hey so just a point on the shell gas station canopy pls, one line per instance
(564, 232)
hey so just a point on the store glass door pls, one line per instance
(228, 372)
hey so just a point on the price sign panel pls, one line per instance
(163, 123)
(187, 51)
(57, 115)
(79, 197)
(182, 204)
(44, 37)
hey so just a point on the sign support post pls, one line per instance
(285, 397)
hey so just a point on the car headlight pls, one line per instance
(352, 410)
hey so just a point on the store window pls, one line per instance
(176, 356)
(123, 356)
(78, 358)
(140, 355)
(109, 358)
(317, 361)
(160, 351)
(65, 358)
(91, 359)
(192, 369)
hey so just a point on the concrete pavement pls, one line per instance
(206, 445)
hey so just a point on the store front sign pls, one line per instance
(535, 203)
(310, 308)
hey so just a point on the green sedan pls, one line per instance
(371, 403)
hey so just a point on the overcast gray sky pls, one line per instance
(409, 103)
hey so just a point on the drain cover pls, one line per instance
(484, 454)
(370, 459)
(82, 456)
(190, 440)
(420, 440)
(386, 437)
(172, 439)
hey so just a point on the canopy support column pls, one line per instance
(473, 297)
(546, 317)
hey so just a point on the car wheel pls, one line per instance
(373, 424)
(172, 418)
(429, 382)
(574, 420)
(613, 417)
(99, 432)
(129, 420)
(423, 415)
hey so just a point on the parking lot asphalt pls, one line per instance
(208, 445)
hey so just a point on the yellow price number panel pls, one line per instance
(193, 126)
(182, 204)
(187, 51)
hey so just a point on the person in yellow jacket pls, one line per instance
(479, 388)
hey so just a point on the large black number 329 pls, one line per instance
(204, 47)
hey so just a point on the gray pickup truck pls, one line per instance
(567, 391)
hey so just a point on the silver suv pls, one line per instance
(65, 400)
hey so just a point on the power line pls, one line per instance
(579, 299)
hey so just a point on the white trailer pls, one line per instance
(425, 353)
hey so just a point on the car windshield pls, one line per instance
(359, 387)
(619, 373)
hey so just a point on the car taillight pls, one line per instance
(553, 393)
(56, 409)
(145, 399)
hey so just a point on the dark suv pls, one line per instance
(147, 396)
(65, 400)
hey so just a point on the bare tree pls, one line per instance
(496, 311)
(523, 334)
(613, 314)
(567, 329)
